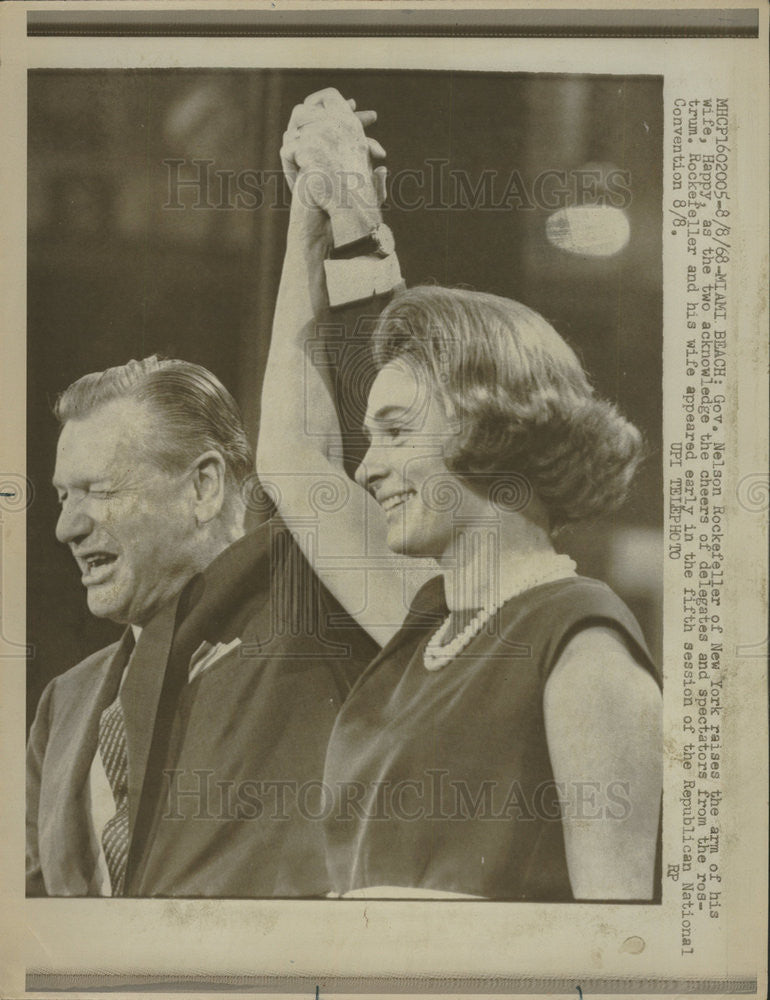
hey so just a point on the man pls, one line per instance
(184, 759)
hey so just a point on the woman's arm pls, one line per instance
(604, 730)
(299, 453)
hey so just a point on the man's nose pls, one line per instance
(73, 524)
(372, 468)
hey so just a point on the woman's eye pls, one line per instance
(101, 494)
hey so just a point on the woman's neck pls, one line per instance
(486, 563)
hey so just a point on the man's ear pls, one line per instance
(208, 477)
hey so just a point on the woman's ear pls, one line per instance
(208, 478)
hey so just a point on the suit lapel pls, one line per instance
(67, 822)
(159, 670)
(224, 595)
(140, 697)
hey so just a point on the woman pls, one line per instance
(506, 741)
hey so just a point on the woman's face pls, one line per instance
(404, 468)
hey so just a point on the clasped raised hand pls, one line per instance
(328, 159)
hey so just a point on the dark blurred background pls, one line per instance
(125, 261)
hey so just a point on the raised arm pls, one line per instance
(335, 200)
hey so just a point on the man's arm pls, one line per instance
(300, 450)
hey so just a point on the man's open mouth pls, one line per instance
(96, 565)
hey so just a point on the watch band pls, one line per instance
(378, 242)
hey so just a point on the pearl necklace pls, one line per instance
(548, 568)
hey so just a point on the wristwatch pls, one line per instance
(356, 279)
(378, 242)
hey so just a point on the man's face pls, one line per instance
(130, 525)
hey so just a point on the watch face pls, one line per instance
(384, 237)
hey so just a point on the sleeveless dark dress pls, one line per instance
(442, 781)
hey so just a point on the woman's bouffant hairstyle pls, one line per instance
(195, 412)
(522, 403)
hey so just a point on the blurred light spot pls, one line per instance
(193, 111)
(633, 945)
(589, 230)
(203, 122)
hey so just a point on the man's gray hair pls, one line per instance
(195, 412)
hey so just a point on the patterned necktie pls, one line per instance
(113, 750)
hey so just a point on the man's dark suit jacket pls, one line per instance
(204, 818)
